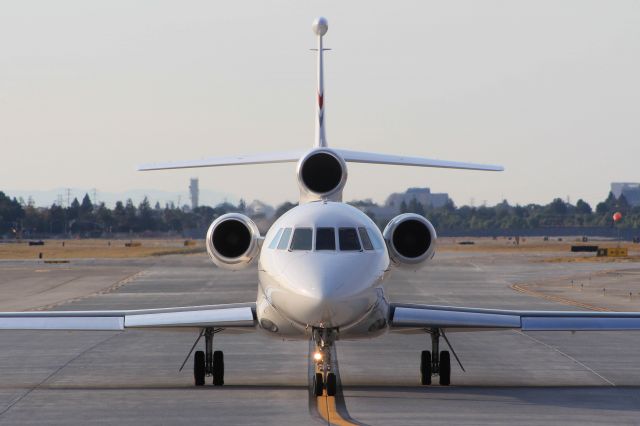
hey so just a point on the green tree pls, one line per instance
(415, 207)
(283, 208)
(73, 211)
(86, 208)
(146, 217)
(11, 212)
(582, 207)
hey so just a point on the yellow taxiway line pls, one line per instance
(329, 412)
(522, 288)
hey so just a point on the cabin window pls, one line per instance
(348, 238)
(364, 237)
(325, 239)
(284, 241)
(274, 242)
(302, 239)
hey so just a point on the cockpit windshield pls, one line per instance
(349, 239)
(364, 237)
(325, 239)
(302, 239)
(284, 241)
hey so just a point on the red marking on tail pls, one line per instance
(320, 100)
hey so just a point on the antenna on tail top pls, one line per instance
(320, 27)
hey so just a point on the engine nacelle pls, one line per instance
(322, 174)
(411, 239)
(233, 241)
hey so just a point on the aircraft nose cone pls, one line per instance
(330, 294)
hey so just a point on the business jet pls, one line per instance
(321, 270)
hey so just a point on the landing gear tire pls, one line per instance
(318, 385)
(445, 368)
(198, 368)
(425, 368)
(218, 368)
(332, 384)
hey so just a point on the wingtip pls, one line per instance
(144, 167)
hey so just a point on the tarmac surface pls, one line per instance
(132, 377)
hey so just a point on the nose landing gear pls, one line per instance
(324, 378)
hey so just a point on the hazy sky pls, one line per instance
(549, 89)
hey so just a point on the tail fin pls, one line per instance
(320, 27)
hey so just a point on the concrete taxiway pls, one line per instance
(132, 377)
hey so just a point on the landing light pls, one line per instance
(317, 356)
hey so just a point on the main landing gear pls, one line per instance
(324, 378)
(436, 362)
(207, 362)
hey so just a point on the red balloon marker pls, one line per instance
(617, 216)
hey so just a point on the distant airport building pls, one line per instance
(194, 190)
(423, 196)
(630, 190)
(394, 203)
(258, 208)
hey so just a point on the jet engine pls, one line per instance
(233, 241)
(410, 238)
(322, 173)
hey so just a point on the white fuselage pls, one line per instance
(308, 281)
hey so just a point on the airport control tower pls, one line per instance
(193, 190)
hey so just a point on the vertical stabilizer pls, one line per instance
(320, 27)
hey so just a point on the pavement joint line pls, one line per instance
(55, 372)
(59, 285)
(110, 289)
(580, 363)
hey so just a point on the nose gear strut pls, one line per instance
(325, 378)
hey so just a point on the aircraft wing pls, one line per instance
(401, 160)
(225, 316)
(409, 316)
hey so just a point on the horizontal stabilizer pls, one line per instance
(293, 156)
(264, 158)
(401, 160)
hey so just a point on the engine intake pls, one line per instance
(322, 174)
(411, 239)
(233, 241)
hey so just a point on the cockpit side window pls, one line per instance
(364, 237)
(274, 242)
(375, 238)
(348, 238)
(284, 241)
(302, 239)
(325, 239)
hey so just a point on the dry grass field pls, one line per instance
(97, 248)
(553, 250)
